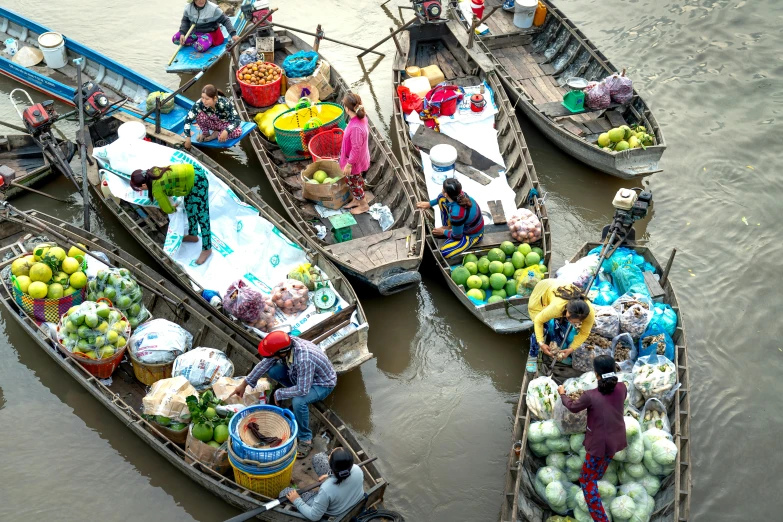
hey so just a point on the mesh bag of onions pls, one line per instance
(524, 226)
(620, 88)
(243, 302)
(290, 296)
(597, 95)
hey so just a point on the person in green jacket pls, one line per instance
(187, 180)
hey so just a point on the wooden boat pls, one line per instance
(535, 64)
(386, 260)
(189, 60)
(672, 503)
(123, 86)
(123, 395)
(20, 153)
(436, 43)
(149, 226)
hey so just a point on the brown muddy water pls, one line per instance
(435, 405)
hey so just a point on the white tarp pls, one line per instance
(244, 244)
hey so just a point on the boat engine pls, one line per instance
(39, 118)
(95, 101)
(428, 10)
(256, 10)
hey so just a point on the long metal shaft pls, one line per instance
(82, 148)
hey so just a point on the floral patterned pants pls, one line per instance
(592, 471)
(197, 209)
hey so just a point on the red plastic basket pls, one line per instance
(259, 95)
(326, 145)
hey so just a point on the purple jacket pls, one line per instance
(605, 425)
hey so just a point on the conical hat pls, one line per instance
(299, 90)
(28, 56)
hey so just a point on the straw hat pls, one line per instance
(28, 56)
(299, 90)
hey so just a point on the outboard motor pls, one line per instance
(39, 118)
(96, 103)
(428, 10)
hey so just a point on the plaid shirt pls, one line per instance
(307, 366)
(175, 182)
(224, 109)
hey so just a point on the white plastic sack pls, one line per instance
(579, 272)
(159, 341)
(203, 367)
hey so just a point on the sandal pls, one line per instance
(304, 449)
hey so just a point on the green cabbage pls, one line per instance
(556, 495)
(559, 445)
(606, 490)
(556, 460)
(633, 489)
(548, 474)
(651, 484)
(573, 492)
(573, 475)
(652, 435)
(574, 463)
(577, 442)
(536, 433)
(636, 471)
(540, 488)
(580, 500)
(623, 507)
(635, 451)
(550, 429)
(664, 452)
(632, 428)
(611, 477)
(651, 464)
(621, 456)
(539, 449)
(582, 516)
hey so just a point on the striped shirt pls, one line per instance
(307, 366)
(467, 221)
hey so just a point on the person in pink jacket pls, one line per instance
(355, 152)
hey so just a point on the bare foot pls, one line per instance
(190, 238)
(204, 256)
(207, 137)
(361, 208)
(351, 204)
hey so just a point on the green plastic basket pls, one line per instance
(290, 133)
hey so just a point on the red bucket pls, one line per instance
(477, 6)
(259, 95)
(326, 145)
(443, 100)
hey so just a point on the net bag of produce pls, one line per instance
(306, 274)
(290, 296)
(524, 226)
(654, 376)
(552, 486)
(635, 313)
(120, 287)
(665, 316)
(541, 397)
(159, 341)
(633, 399)
(243, 302)
(93, 330)
(620, 88)
(595, 345)
(544, 438)
(203, 367)
(167, 398)
(529, 279)
(628, 278)
(654, 416)
(607, 322)
(597, 95)
(656, 340)
(624, 351)
(579, 272)
(166, 107)
(568, 422)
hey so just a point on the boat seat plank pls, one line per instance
(598, 125)
(401, 59)
(615, 118)
(573, 128)
(556, 109)
(427, 138)
(496, 209)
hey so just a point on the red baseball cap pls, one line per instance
(273, 343)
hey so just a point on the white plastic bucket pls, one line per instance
(53, 48)
(132, 130)
(11, 46)
(443, 158)
(524, 12)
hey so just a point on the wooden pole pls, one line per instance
(23, 187)
(319, 33)
(370, 49)
(324, 38)
(249, 30)
(490, 14)
(82, 149)
(181, 45)
(472, 35)
(396, 42)
(15, 127)
(665, 275)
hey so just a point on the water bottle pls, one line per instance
(212, 297)
(532, 358)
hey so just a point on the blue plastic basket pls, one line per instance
(260, 471)
(243, 451)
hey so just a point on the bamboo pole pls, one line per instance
(325, 38)
(402, 28)
(181, 45)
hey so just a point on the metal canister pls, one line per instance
(477, 103)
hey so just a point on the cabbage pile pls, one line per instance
(545, 437)
(542, 397)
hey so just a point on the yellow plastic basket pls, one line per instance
(267, 485)
(290, 134)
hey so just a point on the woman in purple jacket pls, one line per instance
(605, 429)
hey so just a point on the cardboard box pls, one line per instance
(332, 195)
(319, 78)
(265, 47)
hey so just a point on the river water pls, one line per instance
(436, 403)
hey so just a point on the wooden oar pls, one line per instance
(182, 44)
(270, 505)
(15, 127)
(23, 187)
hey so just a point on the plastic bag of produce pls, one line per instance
(597, 95)
(607, 322)
(568, 422)
(290, 296)
(214, 458)
(635, 313)
(656, 340)
(633, 399)
(529, 279)
(620, 88)
(159, 341)
(605, 294)
(654, 376)
(120, 287)
(595, 345)
(243, 302)
(225, 386)
(167, 398)
(306, 274)
(166, 107)
(665, 317)
(542, 397)
(654, 416)
(203, 367)
(524, 226)
(248, 56)
(93, 330)
(624, 351)
(628, 278)
(578, 272)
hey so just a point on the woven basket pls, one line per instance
(49, 310)
(149, 374)
(272, 421)
(290, 133)
(267, 485)
(326, 145)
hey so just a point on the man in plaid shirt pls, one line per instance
(304, 371)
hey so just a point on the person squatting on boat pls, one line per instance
(187, 180)
(215, 115)
(463, 224)
(355, 152)
(605, 429)
(342, 487)
(552, 305)
(207, 17)
(302, 369)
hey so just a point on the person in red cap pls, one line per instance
(302, 369)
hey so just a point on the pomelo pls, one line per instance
(77, 280)
(524, 249)
(111, 337)
(532, 259)
(621, 145)
(121, 341)
(603, 140)
(511, 288)
(213, 443)
(320, 176)
(507, 247)
(470, 258)
(474, 282)
(496, 254)
(84, 331)
(123, 302)
(178, 426)
(55, 291)
(328, 180)
(494, 299)
(163, 421)
(110, 293)
(221, 433)
(210, 413)
(37, 289)
(40, 272)
(543, 268)
(60, 277)
(475, 293)
(518, 260)
(100, 341)
(501, 293)
(484, 282)
(626, 131)
(76, 251)
(134, 310)
(57, 252)
(20, 267)
(70, 265)
(102, 327)
(460, 275)
(40, 250)
(472, 268)
(106, 352)
(539, 252)
(91, 354)
(483, 265)
(519, 273)
(102, 310)
(91, 319)
(202, 432)
(497, 281)
(634, 142)
(508, 269)
(616, 135)
(24, 283)
(495, 267)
